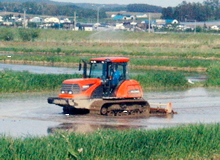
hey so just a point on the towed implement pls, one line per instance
(106, 90)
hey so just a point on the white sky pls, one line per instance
(162, 3)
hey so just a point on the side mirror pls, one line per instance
(80, 66)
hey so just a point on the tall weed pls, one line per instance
(213, 75)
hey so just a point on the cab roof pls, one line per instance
(111, 59)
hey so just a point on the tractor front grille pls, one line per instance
(71, 87)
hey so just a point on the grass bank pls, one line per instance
(186, 142)
(213, 75)
(12, 81)
(161, 80)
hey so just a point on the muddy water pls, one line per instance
(29, 114)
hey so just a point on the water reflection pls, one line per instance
(86, 127)
(91, 123)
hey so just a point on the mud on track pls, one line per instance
(30, 114)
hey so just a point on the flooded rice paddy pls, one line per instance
(38, 69)
(25, 114)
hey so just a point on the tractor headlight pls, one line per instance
(85, 87)
(70, 92)
(62, 92)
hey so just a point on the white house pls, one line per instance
(215, 27)
(86, 27)
(52, 20)
(166, 21)
(119, 26)
(36, 19)
(1, 19)
(7, 23)
(65, 20)
(141, 16)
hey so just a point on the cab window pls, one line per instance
(96, 70)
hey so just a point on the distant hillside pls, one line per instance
(22, 1)
(104, 7)
(50, 8)
(143, 8)
(96, 6)
(36, 1)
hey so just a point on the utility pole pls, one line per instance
(195, 28)
(74, 21)
(5, 12)
(149, 24)
(98, 15)
(24, 18)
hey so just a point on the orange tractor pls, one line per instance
(106, 90)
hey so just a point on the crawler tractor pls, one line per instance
(106, 90)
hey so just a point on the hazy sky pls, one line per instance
(163, 3)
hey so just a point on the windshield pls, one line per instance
(96, 70)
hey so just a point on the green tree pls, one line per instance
(167, 13)
(143, 8)
(42, 8)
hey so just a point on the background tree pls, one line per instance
(167, 13)
(51, 9)
(143, 8)
(208, 10)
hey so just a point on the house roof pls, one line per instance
(117, 17)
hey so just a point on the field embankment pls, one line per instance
(150, 51)
(186, 142)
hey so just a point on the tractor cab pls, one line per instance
(111, 70)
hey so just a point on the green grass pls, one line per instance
(125, 43)
(161, 80)
(213, 75)
(185, 142)
(109, 48)
(193, 63)
(12, 81)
